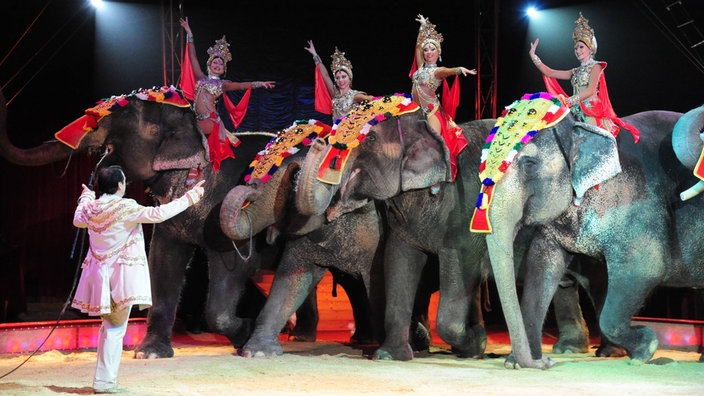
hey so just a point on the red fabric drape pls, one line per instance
(323, 102)
(188, 79)
(237, 112)
(451, 97)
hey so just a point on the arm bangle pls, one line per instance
(536, 60)
(317, 59)
(256, 84)
(458, 71)
(189, 38)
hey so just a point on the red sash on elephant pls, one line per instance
(72, 134)
(349, 131)
(517, 125)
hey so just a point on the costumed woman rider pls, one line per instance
(208, 89)
(590, 98)
(338, 98)
(427, 76)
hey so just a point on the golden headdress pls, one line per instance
(428, 35)
(584, 33)
(339, 62)
(220, 50)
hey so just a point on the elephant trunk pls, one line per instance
(238, 223)
(686, 139)
(43, 154)
(313, 196)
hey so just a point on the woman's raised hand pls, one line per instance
(420, 18)
(311, 48)
(184, 25)
(533, 47)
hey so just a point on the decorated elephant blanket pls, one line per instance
(286, 143)
(518, 124)
(349, 131)
(72, 134)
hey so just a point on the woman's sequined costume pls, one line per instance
(208, 90)
(423, 91)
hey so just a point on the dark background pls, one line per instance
(74, 55)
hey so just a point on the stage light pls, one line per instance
(532, 13)
(98, 4)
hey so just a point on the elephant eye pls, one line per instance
(529, 166)
(371, 136)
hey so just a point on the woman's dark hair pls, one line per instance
(109, 177)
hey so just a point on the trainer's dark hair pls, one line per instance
(109, 177)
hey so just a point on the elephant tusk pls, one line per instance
(692, 191)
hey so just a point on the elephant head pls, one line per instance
(146, 132)
(532, 176)
(266, 200)
(687, 143)
(378, 150)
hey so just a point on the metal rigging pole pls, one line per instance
(487, 34)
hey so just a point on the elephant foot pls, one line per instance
(362, 339)
(301, 332)
(475, 345)
(540, 364)
(420, 337)
(302, 338)
(580, 345)
(640, 342)
(154, 347)
(256, 347)
(387, 353)
(607, 349)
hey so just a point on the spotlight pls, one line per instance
(98, 4)
(532, 13)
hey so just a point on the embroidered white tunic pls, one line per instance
(116, 263)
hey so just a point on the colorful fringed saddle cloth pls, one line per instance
(349, 131)
(72, 134)
(518, 124)
(286, 143)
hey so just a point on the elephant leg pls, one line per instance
(546, 264)
(573, 332)
(458, 289)
(291, 286)
(359, 301)
(419, 335)
(167, 265)
(626, 294)
(403, 266)
(307, 319)
(230, 279)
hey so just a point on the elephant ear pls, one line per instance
(427, 159)
(182, 145)
(594, 158)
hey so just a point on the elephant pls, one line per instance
(587, 193)
(159, 144)
(405, 163)
(349, 247)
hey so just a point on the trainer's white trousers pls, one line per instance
(112, 331)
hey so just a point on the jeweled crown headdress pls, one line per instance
(584, 33)
(339, 62)
(220, 50)
(428, 35)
